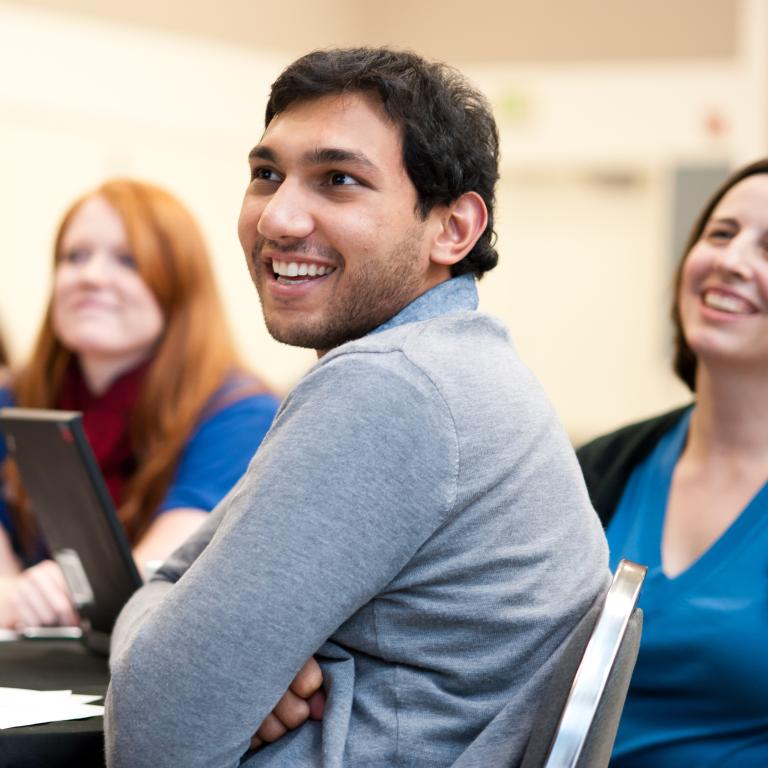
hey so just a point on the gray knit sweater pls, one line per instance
(416, 518)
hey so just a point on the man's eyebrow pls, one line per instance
(260, 152)
(324, 155)
(319, 156)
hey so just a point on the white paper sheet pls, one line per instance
(22, 706)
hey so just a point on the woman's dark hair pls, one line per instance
(684, 360)
(450, 139)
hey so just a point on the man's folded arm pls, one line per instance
(347, 486)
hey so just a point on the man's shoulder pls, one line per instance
(454, 340)
(375, 383)
(453, 354)
(465, 359)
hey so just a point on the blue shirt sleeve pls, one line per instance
(219, 452)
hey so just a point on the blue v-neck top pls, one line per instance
(699, 693)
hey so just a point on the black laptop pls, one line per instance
(70, 501)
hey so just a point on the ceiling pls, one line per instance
(477, 32)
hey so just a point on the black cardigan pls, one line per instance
(608, 461)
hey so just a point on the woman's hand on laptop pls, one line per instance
(40, 598)
(304, 699)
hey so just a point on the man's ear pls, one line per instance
(462, 223)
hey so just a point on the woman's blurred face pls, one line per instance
(102, 308)
(724, 288)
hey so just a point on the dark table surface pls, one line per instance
(51, 665)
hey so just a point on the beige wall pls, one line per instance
(93, 100)
(485, 31)
(583, 203)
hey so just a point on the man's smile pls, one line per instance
(289, 272)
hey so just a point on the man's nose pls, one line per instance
(287, 214)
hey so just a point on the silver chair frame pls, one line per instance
(595, 667)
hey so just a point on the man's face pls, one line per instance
(329, 223)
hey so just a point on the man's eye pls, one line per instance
(264, 174)
(339, 179)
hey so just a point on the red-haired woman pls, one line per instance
(135, 338)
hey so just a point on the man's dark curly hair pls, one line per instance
(450, 139)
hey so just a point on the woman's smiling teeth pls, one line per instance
(283, 269)
(728, 303)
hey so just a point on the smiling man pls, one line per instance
(415, 517)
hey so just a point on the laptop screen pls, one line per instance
(74, 511)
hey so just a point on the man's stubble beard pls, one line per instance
(365, 298)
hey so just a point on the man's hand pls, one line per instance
(39, 597)
(304, 699)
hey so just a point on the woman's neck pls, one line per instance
(100, 373)
(730, 419)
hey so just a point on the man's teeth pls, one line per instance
(299, 269)
(725, 303)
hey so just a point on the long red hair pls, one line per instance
(192, 358)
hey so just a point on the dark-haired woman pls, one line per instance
(687, 494)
